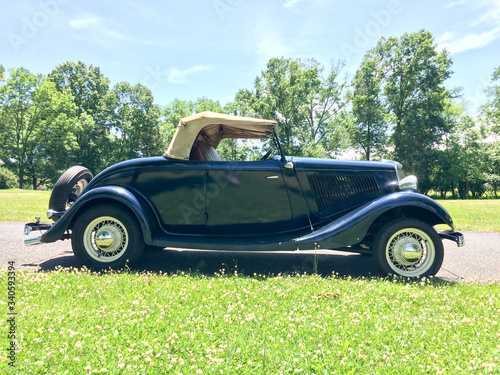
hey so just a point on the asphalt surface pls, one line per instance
(477, 261)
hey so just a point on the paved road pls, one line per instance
(478, 260)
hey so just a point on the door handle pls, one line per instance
(275, 177)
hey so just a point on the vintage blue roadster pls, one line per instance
(190, 198)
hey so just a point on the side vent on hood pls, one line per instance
(332, 190)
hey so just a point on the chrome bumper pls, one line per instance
(29, 227)
(453, 236)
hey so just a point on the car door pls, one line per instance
(176, 191)
(246, 198)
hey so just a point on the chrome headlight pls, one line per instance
(409, 183)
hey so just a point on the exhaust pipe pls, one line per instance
(32, 241)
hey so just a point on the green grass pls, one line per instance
(77, 322)
(23, 205)
(474, 215)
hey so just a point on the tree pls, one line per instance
(304, 101)
(135, 121)
(90, 90)
(492, 166)
(491, 110)
(461, 162)
(491, 119)
(36, 124)
(370, 127)
(416, 98)
(54, 140)
(16, 99)
(8, 179)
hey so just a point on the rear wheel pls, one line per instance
(107, 236)
(409, 248)
(69, 187)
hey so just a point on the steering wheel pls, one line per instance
(266, 155)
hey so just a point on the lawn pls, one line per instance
(474, 215)
(77, 322)
(23, 205)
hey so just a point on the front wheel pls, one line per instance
(409, 248)
(107, 236)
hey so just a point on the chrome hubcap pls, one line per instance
(104, 239)
(407, 251)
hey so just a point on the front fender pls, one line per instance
(351, 228)
(108, 194)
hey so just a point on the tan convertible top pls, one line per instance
(213, 127)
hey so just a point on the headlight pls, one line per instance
(409, 183)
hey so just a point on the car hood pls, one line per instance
(351, 165)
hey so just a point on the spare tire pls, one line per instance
(69, 187)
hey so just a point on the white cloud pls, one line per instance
(491, 13)
(456, 44)
(456, 3)
(180, 76)
(102, 31)
(85, 23)
(290, 3)
(270, 43)
(483, 30)
(445, 37)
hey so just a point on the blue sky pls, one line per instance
(188, 49)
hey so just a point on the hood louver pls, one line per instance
(333, 190)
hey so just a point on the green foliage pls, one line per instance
(90, 91)
(370, 128)
(135, 123)
(492, 166)
(416, 98)
(36, 125)
(491, 110)
(469, 163)
(18, 110)
(304, 101)
(8, 179)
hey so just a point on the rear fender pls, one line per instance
(108, 194)
(350, 229)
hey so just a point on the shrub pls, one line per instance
(8, 179)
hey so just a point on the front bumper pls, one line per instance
(453, 236)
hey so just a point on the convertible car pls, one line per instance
(190, 198)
